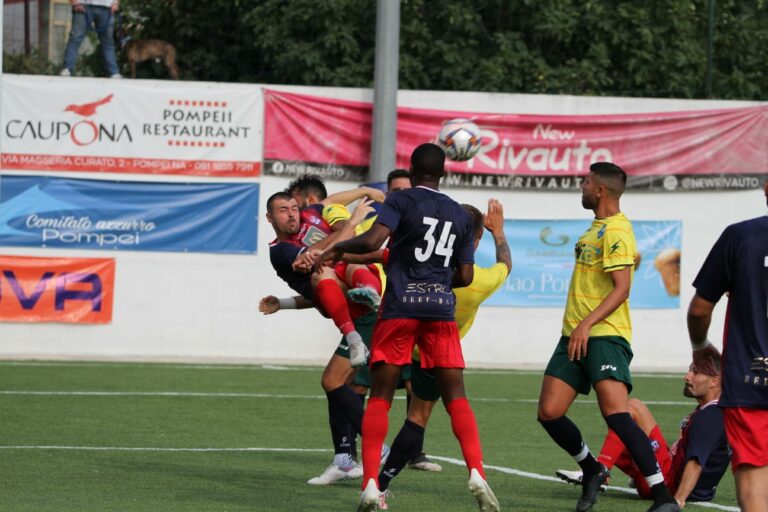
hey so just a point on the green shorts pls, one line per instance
(423, 383)
(364, 326)
(608, 357)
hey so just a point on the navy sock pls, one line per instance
(349, 402)
(340, 427)
(640, 449)
(568, 437)
(406, 446)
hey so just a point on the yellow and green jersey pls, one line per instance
(469, 298)
(334, 213)
(608, 245)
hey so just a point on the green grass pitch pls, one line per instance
(175, 437)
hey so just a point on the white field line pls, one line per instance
(280, 367)
(182, 394)
(536, 476)
(450, 460)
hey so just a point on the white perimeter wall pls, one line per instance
(173, 306)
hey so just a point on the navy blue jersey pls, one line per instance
(738, 265)
(282, 253)
(702, 437)
(431, 237)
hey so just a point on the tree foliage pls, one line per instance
(655, 48)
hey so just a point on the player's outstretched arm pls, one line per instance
(494, 222)
(463, 275)
(347, 231)
(350, 196)
(688, 480)
(367, 242)
(699, 318)
(271, 304)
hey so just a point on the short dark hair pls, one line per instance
(309, 183)
(277, 195)
(397, 173)
(611, 175)
(476, 218)
(428, 162)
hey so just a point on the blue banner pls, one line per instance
(128, 215)
(543, 259)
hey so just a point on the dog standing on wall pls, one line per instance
(139, 50)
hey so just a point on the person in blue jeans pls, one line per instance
(97, 14)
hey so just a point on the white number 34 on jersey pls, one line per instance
(442, 247)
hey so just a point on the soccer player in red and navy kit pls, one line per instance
(431, 252)
(738, 265)
(296, 231)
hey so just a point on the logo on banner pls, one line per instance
(82, 132)
(577, 157)
(64, 285)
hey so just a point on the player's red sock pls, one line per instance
(334, 303)
(611, 450)
(375, 426)
(364, 277)
(465, 430)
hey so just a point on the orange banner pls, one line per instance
(72, 290)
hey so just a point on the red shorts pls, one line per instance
(745, 429)
(438, 341)
(663, 457)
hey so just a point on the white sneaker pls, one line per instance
(369, 499)
(424, 464)
(65, 72)
(573, 477)
(116, 75)
(482, 492)
(331, 475)
(358, 352)
(383, 500)
(365, 295)
(356, 471)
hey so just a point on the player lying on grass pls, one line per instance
(696, 462)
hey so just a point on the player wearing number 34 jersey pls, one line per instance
(431, 252)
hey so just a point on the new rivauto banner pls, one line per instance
(37, 211)
(543, 259)
(667, 151)
(72, 290)
(130, 126)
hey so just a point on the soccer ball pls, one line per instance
(460, 139)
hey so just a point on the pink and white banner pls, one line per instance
(701, 149)
(130, 126)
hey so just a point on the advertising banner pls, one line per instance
(72, 290)
(543, 259)
(670, 151)
(130, 126)
(38, 211)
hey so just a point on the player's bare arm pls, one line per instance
(367, 242)
(463, 275)
(271, 304)
(699, 318)
(622, 281)
(688, 480)
(306, 260)
(494, 222)
(346, 197)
